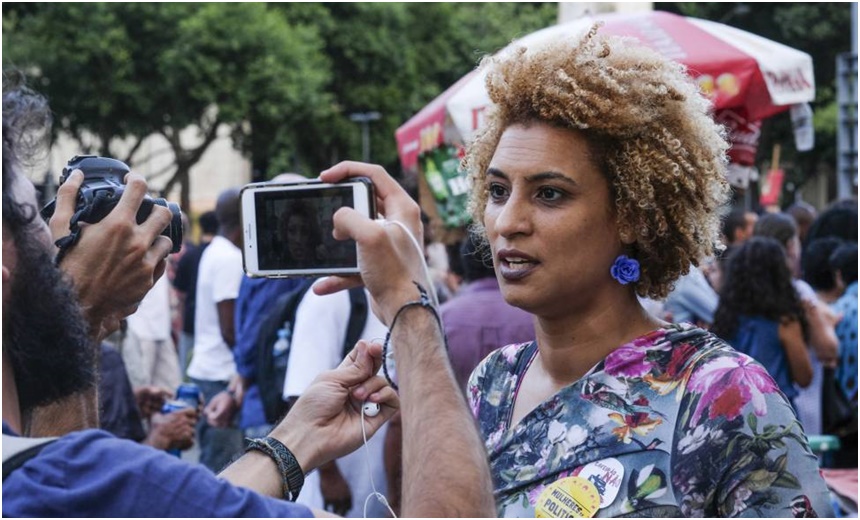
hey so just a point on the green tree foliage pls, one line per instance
(821, 29)
(395, 58)
(127, 70)
(285, 77)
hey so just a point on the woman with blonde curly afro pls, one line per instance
(598, 178)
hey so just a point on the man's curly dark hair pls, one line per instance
(25, 118)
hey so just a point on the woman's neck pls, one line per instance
(830, 296)
(569, 346)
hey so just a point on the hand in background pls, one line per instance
(220, 410)
(150, 399)
(174, 430)
(337, 497)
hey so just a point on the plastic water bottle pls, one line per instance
(804, 131)
(283, 342)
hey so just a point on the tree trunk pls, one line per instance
(185, 190)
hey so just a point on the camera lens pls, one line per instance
(173, 231)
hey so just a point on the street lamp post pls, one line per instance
(365, 118)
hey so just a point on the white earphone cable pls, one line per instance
(379, 496)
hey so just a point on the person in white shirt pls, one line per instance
(147, 348)
(341, 486)
(212, 367)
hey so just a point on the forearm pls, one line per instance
(445, 470)
(393, 461)
(259, 472)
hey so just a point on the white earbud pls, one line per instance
(371, 409)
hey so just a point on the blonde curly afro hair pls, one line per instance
(649, 130)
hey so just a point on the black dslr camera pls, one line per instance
(101, 191)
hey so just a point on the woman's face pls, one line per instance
(298, 236)
(549, 220)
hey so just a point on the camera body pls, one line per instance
(101, 191)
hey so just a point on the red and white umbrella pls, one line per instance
(750, 76)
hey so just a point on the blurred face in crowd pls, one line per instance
(44, 333)
(298, 231)
(793, 253)
(747, 231)
(549, 219)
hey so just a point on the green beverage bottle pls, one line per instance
(435, 180)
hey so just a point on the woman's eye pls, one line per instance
(549, 194)
(497, 191)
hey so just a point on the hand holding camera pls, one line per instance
(122, 242)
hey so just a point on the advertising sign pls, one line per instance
(448, 184)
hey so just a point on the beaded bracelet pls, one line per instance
(422, 301)
(292, 476)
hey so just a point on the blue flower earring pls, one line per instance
(625, 270)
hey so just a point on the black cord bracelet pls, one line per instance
(292, 476)
(422, 301)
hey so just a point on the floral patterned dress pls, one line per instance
(693, 428)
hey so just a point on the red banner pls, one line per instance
(771, 188)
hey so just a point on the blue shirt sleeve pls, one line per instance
(246, 325)
(94, 474)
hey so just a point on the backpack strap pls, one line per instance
(18, 450)
(357, 319)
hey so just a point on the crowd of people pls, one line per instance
(595, 339)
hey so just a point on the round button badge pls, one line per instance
(570, 497)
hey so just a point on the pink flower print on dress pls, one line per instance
(630, 360)
(677, 372)
(728, 384)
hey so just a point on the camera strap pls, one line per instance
(65, 243)
(96, 210)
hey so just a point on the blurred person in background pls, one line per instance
(147, 345)
(212, 367)
(123, 410)
(320, 329)
(804, 215)
(818, 272)
(693, 300)
(255, 297)
(844, 263)
(760, 313)
(185, 283)
(838, 220)
(820, 319)
(738, 226)
(477, 319)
